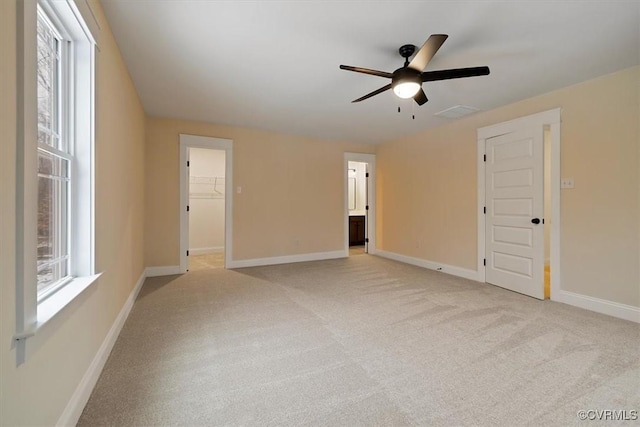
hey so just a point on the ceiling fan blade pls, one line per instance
(420, 97)
(455, 73)
(367, 71)
(426, 52)
(375, 92)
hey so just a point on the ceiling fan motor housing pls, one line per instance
(406, 75)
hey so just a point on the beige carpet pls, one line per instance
(206, 262)
(359, 341)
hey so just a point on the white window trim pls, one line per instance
(62, 131)
(31, 315)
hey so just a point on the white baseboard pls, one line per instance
(204, 251)
(610, 308)
(317, 256)
(166, 270)
(431, 265)
(80, 397)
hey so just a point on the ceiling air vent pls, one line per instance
(456, 112)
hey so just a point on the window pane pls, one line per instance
(53, 208)
(48, 86)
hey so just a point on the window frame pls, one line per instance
(76, 24)
(64, 106)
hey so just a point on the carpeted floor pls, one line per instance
(359, 341)
(206, 262)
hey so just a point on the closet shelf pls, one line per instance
(205, 196)
(206, 187)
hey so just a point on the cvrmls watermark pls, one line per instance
(608, 415)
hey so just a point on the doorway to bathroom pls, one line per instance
(359, 203)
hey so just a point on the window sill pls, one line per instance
(48, 308)
(54, 304)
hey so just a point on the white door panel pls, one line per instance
(514, 196)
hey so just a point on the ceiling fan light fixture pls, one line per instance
(406, 89)
(406, 82)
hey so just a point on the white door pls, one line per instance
(514, 211)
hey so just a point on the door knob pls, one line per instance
(535, 221)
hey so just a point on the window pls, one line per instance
(55, 98)
(55, 159)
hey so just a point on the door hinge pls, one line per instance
(366, 240)
(484, 157)
(187, 208)
(366, 175)
(366, 208)
(187, 253)
(543, 220)
(485, 209)
(187, 163)
(484, 262)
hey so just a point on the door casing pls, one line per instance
(550, 118)
(194, 141)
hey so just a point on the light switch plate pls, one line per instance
(566, 183)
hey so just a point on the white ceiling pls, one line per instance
(274, 64)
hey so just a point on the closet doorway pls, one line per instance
(360, 218)
(206, 202)
(206, 208)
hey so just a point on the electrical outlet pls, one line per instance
(566, 183)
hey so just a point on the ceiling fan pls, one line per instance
(407, 80)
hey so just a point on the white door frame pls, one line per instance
(370, 159)
(193, 141)
(549, 118)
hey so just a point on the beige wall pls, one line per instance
(292, 199)
(428, 187)
(36, 392)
